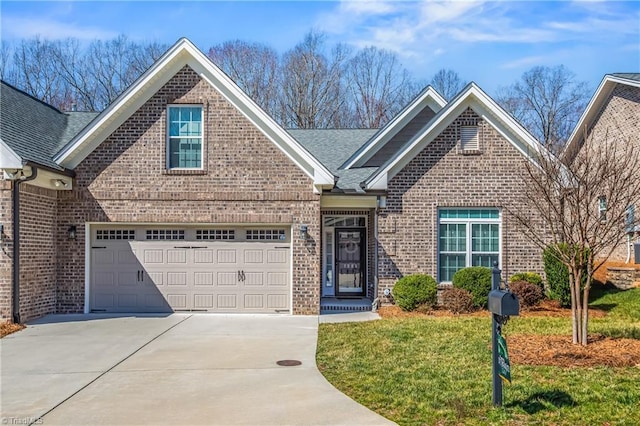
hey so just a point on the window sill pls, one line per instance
(184, 172)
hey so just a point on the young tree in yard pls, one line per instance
(548, 102)
(579, 206)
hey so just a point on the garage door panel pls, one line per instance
(127, 257)
(219, 275)
(203, 278)
(104, 279)
(177, 300)
(277, 301)
(227, 279)
(176, 279)
(253, 256)
(277, 256)
(155, 278)
(254, 301)
(253, 279)
(277, 279)
(176, 256)
(226, 256)
(153, 256)
(127, 279)
(227, 301)
(103, 257)
(203, 301)
(203, 256)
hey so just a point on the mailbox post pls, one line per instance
(502, 304)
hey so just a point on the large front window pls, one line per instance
(185, 137)
(467, 237)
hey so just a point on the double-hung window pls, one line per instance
(467, 237)
(185, 147)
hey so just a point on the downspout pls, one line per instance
(376, 299)
(16, 243)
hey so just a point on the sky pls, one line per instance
(489, 42)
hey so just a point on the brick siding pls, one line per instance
(246, 179)
(619, 120)
(442, 176)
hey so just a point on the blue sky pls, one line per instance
(491, 43)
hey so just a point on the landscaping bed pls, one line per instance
(7, 327)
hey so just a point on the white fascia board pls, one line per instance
(429, 98)
(272, 130)
(120, 109)
(8, 157)
(185, 53)
(596, 103)
(485, 107)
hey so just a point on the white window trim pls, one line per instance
(468, 222)
(168, 137)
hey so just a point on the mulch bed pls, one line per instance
(7, 327)
(550, 350)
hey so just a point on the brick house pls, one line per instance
(184, 195)
(613, 114)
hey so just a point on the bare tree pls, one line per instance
(377, 84)
(311, 84)
(584, 205)
(448, 83)
(254, 68)
(548, 102)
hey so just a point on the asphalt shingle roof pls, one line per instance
(34, 129)
(332, 147)
(628, 75)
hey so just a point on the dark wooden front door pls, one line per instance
(350, 261)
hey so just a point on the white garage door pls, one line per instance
(164, 269)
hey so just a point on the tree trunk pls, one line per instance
(574, 311)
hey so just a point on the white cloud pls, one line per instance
(18, 27)
(365, 7)
(524, 62)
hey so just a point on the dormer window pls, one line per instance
(469, 139)
(602, 208)
(184, 147)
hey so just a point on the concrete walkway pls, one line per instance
(176, 369)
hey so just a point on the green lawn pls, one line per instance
(436, 370)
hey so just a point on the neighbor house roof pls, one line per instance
(600, 97)
(32, 130)
(182, 54)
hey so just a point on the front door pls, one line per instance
(350, 261)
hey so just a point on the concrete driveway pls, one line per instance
(176, 369)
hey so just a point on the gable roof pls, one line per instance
(181, 54)
(32, 130)
(470, 97)
(428, 98)
(597, 102)
(332, 147)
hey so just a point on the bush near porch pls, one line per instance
(429, 369)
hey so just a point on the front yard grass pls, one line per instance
(437, 370)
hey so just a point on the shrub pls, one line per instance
(558, 275)
(457, 300)
(415, 290)
(529, 294)
(530, 277)
(477, 281)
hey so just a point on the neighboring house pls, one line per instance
(614, 114)
(184, 195)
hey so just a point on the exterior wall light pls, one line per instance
(1, 232)
(303, 232)
(73, 232)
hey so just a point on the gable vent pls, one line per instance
(469, 140)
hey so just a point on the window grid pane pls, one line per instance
(450, 264)
(185, 137)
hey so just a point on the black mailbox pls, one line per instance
(503, 303)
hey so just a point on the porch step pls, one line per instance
(332, 304)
